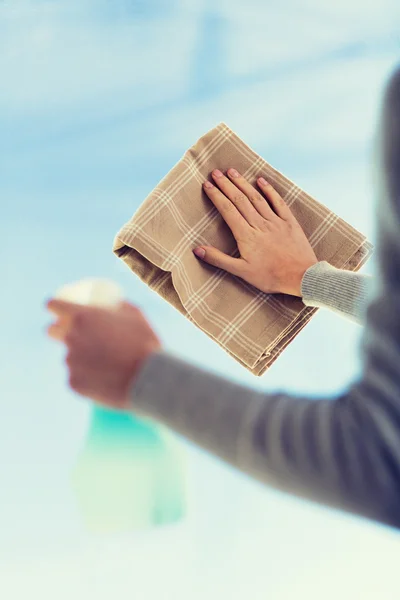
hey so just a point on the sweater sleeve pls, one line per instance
(344, 292)
(342, 451)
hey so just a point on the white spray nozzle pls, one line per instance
(93, 292)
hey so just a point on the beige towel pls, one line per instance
(157, 243)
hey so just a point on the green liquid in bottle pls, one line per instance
(130, 474)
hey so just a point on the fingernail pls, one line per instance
(233, 173)
(262, 181)
(217, 173)
(208, 184)
(200, 252)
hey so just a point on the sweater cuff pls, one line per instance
(345, 292)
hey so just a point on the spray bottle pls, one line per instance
(130, 474)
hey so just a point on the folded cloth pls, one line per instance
(157, 243)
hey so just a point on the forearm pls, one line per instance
(344, 292)
(326, 450)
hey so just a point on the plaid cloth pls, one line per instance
(157, 243)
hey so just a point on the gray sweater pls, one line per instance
(342, 451)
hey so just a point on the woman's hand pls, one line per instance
(106, 348)
(274, 251)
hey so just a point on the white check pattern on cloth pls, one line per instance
(170, 261)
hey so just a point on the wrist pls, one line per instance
(134, 372)
(297, 288)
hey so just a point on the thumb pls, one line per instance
(215, 257)
(127, 306)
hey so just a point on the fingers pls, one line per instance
(215, 257)
(62, 308)
(239, 197)
(56, 332)
(59, 329)
(231, 215)
(69, 315)
(276, 201)
(256, 200)
(252, 206)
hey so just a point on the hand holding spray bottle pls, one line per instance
(130, 474)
